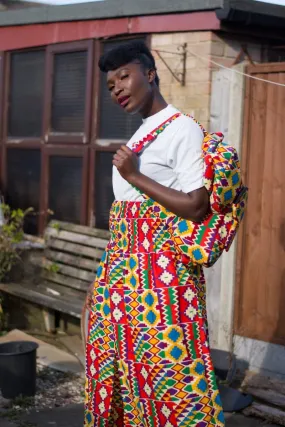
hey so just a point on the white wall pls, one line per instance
(227, 102)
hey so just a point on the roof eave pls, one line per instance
(252, 13)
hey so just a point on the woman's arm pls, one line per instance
(193, 206)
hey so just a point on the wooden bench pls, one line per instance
(71, 257)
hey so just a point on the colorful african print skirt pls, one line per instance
(148, 359)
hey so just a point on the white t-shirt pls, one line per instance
(173, 159)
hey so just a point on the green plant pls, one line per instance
(23, 401)
(11, 234)
(52, 268)
(56, 225)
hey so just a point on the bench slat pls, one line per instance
(70, 271)
(29, 293)
(56, 290)
(80, 229)
(72, 260)
(74, 248)
(76, 251)
(76, 238)
(69, 282)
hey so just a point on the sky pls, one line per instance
(58, 2)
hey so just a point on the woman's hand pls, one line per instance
(89, 297)
(126, 162)
(193, 206)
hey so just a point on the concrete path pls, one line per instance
(72, 416)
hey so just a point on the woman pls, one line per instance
(148, 359)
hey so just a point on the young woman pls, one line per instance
(148, 359)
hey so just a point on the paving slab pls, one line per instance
(75, 345)
(5, 423)
(69, 416)
(72, 416)
(238, 420)
(47, 354)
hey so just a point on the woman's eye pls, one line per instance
(125, 76)
(111, 88)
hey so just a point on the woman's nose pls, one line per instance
(118, 90)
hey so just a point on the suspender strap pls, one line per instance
(138, 146)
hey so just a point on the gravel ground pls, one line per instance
(54, 389)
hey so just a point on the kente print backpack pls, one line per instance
(204, 242)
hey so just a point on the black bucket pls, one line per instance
(18, 368)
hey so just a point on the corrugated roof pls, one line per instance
(227, 10)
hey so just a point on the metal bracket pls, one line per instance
(242, 53)
(182, 51)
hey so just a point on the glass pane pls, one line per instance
(104, 195)
(23, 183)
(65, 188)
(26, 94)
(69, 91)
(115, 123)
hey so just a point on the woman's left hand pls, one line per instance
(126, 162)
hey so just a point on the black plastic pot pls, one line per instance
(18, 369)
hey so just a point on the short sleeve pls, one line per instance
(185, 155)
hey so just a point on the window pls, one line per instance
(23, 183)
(60, 161)
(26, 94)
(69, 92)
(65, 185)
(115, 123)
(1, 98)
(104, 195)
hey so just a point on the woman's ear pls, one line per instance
(151, 75)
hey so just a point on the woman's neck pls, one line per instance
(154, 105)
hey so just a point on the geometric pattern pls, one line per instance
(205, 242)
(148, 361)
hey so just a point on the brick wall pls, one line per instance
(195, 96)
(225, 48)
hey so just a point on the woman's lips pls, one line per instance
(123, 101)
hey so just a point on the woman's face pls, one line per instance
(130, 87)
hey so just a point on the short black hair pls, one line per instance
(124, 53)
